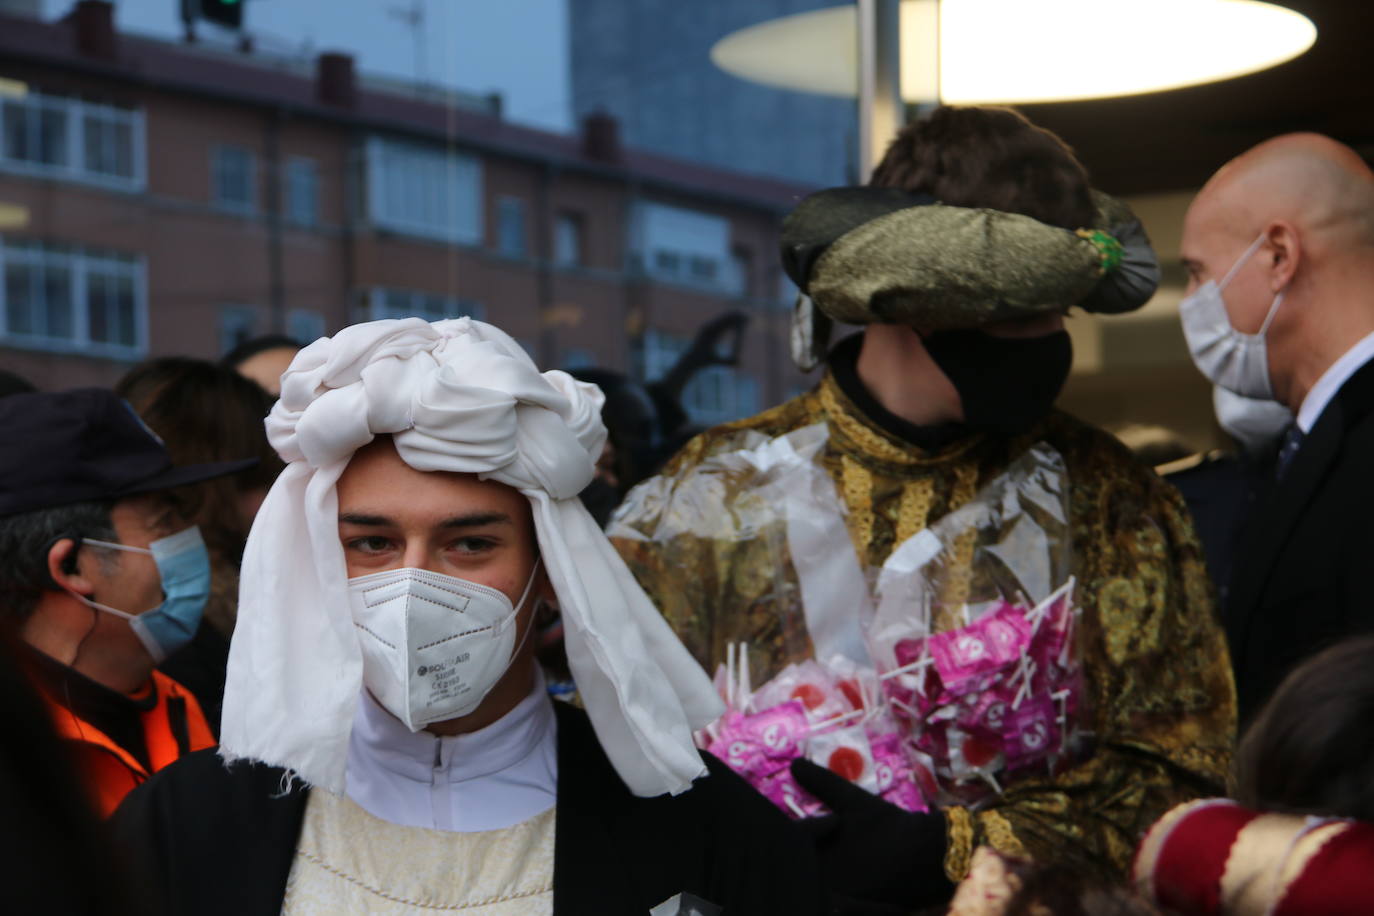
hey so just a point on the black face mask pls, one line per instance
(1006, 384)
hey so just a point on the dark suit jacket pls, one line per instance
(1304, 574)
(217, 840)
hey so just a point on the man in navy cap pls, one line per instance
(102, 579)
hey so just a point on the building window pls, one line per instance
(787, 292)
(740, 280)
(237, 323)
(715, 394)
(424, 190)
(304, 325)
(63, 137)
(719, 394)
(389, 302)
(683, 246)
(72, 299)
(302, 191)
(703, 270)
(577, 358)
(235, 183)
(510, 227)
(667, 265)
(567, 240)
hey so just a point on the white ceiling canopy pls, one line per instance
(1028, 50)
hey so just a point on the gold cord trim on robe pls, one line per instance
(960, 844)
(844, 418)
(913, 512)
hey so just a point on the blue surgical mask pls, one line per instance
(184, 566)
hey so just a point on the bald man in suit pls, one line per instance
(1286, 231)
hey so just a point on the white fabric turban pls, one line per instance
(456, 395)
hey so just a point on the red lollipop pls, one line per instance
(847, 762)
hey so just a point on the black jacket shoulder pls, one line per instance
(213, 838)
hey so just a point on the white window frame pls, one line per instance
(693, 238)
(245, 208)
(81, 262)
(409, 216)
(378, 307)
(74, 169)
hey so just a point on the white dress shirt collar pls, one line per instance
(1336, 375)
(489, 779)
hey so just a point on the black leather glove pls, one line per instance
(877, 858)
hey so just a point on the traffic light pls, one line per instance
(226, 13)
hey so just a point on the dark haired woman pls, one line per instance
(204, 413)
(978, 233)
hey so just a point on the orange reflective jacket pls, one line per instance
(173, 727)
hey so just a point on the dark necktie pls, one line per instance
(1292, 441)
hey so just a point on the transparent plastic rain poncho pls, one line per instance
(925, 681)
(974, 634)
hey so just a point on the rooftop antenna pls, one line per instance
(414, 19)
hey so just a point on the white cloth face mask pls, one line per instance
(1235, 361)
(433, 645)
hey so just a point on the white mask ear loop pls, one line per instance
(110, 545)
(1240, 262)
(1278, 297)
(523, 595)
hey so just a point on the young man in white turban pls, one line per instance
(388, 744)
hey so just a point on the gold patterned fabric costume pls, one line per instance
(1154, 656)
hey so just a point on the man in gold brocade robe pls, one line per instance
(954, 378)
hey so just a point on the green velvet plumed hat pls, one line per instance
(867, 254)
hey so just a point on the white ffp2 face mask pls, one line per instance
(1234, 361)
(433, 645)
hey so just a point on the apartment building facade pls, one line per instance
(159, 199)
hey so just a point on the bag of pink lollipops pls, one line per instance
(974, 634)
(835, 716)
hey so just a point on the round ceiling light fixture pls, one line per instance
(1028, 50)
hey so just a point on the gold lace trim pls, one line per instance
(913, 512)
(959, 845)
(857, 482)
(1000, 835)
(846, 418)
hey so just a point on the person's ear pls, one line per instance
(64, 570)
(1285, 253)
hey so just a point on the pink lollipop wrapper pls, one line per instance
(1032, 734)
(762, 743)
(1007, 632)
(905, 795)
(782, 790)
